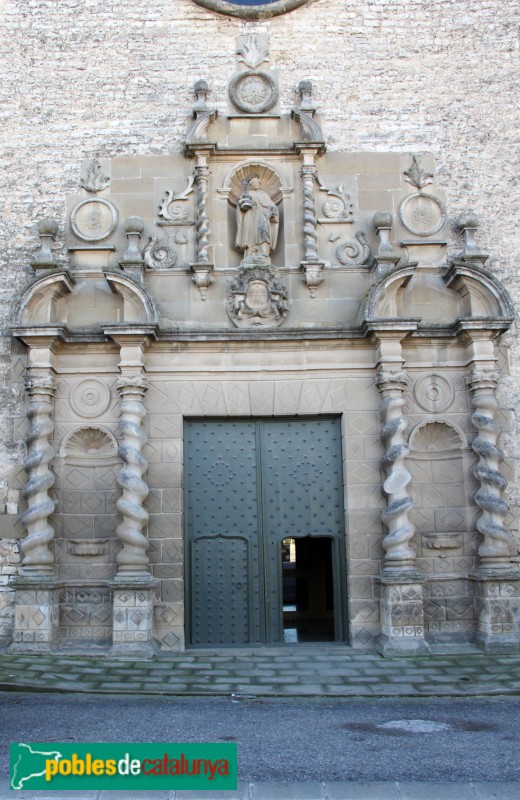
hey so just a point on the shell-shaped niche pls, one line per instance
(89, 445)
(269, 179)
(436, 437)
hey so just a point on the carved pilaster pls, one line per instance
(311, 264)
(37, 558)
(201, 219)
(132, 558)
(399, 553)
(310, 220)
(496, 549)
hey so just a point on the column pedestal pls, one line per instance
(497, 599)
(402, 615)
(36, 621)
(132, 627)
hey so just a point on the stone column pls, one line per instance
(311, 264)
(401, 585)
(133, 586)
(202, 268)
(497, 595)
(132, 559)
(36, 593)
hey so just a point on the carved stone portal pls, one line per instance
(257, 297)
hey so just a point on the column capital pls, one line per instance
(483, 380)
(391, 381)
(131, 383)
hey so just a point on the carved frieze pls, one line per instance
(257, 297)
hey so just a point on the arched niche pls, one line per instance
(439, 462)
(269, 176)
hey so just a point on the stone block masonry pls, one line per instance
(83, 79)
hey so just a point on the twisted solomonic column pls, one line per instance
(310, 220)
(497, 547)
(201, 218)
(132, 558)
(38, 560)
(399, 553)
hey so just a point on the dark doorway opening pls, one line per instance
(307, 590)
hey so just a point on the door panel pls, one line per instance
(249, 485)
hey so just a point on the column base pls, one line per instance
(132, 621)
(402, 615)
(498, 610)
(36, 619)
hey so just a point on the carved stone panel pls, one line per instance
(257, 297)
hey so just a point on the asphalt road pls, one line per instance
(292, 740)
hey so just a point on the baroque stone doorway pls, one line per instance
(250, 485)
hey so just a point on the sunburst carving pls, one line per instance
(270, 181)
(436, 437)
(90, 443)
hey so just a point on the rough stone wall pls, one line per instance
(84, 78)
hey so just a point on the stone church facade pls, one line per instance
(258, 371)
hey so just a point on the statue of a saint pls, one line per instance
(257, 222)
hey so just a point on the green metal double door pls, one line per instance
(250, 484)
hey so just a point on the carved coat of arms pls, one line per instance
(257, 297)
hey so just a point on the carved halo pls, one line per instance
(271, 182)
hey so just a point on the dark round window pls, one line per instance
(251, 9)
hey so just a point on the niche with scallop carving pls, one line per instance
(437, 463)
(440, 463)
(87, 491)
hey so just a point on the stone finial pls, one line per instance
(48, 227)
(306, 101)
(201, 90)
(468, 222)
(386, 257)
(47, 230)
(134, 224)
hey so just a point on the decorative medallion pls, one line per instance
(90, 398)
(251, 9)
(93, 220)
(257, 297)
(253, 92)
(433, 393)
(422, 214)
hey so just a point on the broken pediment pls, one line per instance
(352, 237)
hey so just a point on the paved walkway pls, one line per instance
(304, 671)
(303, 791)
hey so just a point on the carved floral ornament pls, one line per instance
(251, 9)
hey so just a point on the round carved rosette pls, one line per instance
(90, 398)
(253, 92)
